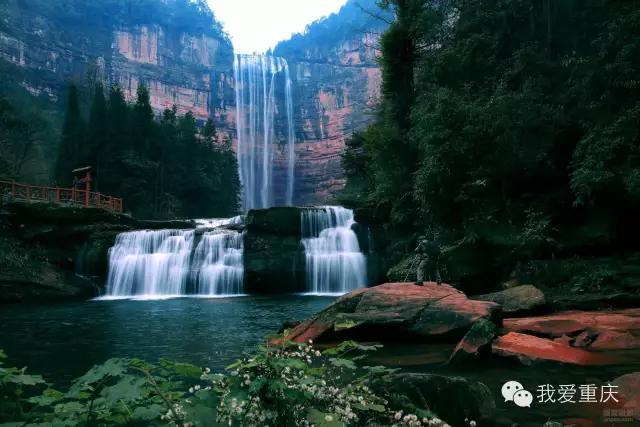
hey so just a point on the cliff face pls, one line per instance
(179, 51)
(333, 100)
(336, 91)
(183, 63)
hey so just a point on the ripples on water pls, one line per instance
(63, 341)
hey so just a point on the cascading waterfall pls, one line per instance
(168, 263)
(217, 262)
(334, 262)
(256, 80)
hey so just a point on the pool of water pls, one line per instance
(62, 341)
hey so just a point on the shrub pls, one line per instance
(285, 385)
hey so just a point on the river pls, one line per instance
(62, 341)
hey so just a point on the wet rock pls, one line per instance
(274, 261)
(529, 348)
(629, 393)
(574, 322)
(615, 340)
(519, 299)
(397, 310)
(474, 341)
(584, 339)
(453, 399)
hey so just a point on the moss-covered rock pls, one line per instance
(456, 400)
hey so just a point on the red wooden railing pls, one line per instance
(70, 196)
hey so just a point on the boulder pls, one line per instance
(516, 300)
(529, 348)
(277, 220)
(629, 393)
(44, 282)
(615, 340)
(596, 330)
(453, 399)
(394, 311)
(479, 336)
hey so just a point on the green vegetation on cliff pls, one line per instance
(322, 38)
(46, 44)
(508, 130)
(163, 169)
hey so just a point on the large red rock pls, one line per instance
(595, 330)
(396, 309)
(529, 348)
(515, 300)
(570, 322)
(629, 394)
(474, 342)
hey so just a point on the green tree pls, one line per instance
(98, 142)
(73, 138)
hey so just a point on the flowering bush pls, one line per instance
(285, 385)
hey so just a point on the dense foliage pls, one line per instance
(287, 385)
(48, 43)
(163, 168)
(356, 19)
(513, 125)
(194, 15)
(17, 140)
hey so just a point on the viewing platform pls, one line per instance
(60, 196)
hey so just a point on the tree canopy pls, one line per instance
(511, 122)
(162, 168)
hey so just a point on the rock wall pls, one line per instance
(188, 67)
(335, 83)
(332, 101)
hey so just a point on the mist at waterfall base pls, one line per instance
(334, 262)
(174, 263)
(263, 125)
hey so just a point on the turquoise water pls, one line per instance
(62, 341)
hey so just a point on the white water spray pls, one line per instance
(256, 80)
(334, 262)
(170, 263)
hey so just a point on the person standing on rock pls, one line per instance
(428, 256)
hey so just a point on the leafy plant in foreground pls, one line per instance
(285, 385)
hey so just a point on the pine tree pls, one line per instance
(209, 132)
(97, 132)
(72, 141)
(143, 124)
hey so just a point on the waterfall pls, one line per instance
(169, 263)
(334, 262)
(257, 78)
(217, 261)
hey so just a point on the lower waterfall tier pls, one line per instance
(175, 263)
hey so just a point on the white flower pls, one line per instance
(398, 415)
(328, 418)
(310, 341)
(472, 423)
(317, 353)
(190, 389)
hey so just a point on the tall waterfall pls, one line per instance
(166, 263)
(258, 79)
(334, 262)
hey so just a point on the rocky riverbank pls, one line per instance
(438, 328)
(53, 252)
